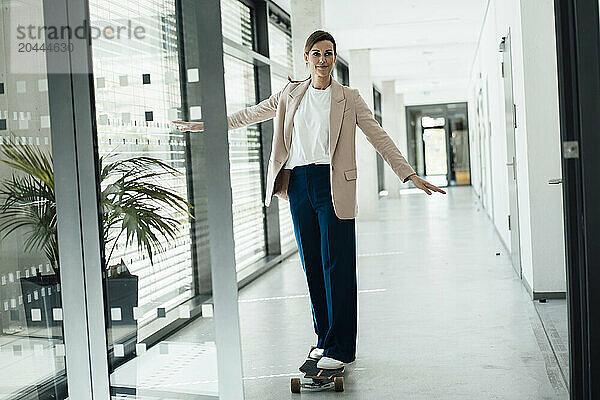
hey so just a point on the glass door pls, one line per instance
(435, 150)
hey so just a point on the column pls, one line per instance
(394, 122)
(366, 160)
(201, 20)
(307, 17)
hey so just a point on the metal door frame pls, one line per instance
(578, 63)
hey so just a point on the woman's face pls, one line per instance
(320, 59)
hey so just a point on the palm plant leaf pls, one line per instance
(29, 201)
(30, 160)
(133, 202)
(135, 206)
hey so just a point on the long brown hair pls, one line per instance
(315, 37)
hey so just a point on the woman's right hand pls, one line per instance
(184, 126)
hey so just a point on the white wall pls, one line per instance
(531, 23)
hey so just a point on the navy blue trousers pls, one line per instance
(327, 247)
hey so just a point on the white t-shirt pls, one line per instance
(310, 131)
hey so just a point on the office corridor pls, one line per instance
(441, 315)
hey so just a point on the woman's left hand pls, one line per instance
(424, 185)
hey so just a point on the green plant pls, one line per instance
(132, 203)
(29, 201)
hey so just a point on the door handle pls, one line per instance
(512, 164)
(555, 181)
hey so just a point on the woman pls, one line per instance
(313, 165)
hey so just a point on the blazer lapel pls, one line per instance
(336, 113)
(294, 97)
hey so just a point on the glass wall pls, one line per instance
(280, 51)
(153, 205)
(244, 143)
(237, 23)
(151, 274)
(32, 348)
(137, 93)
(280, 43)
(286, 226)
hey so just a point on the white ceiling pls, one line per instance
(425, 45)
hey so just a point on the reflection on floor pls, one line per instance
(170, 370)
(441, 316)
(35, 357)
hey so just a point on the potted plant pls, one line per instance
(132, 202)
(133, 207)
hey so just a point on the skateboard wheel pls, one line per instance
(295, 385)
(338, 383)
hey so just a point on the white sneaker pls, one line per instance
(316, 353)
(330, 363)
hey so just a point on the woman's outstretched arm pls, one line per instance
(260, 112)
(380, 139)
(385, 146)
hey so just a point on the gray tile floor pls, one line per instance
(441, 316)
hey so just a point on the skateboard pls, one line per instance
(318, 379)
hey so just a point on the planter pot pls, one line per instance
(41, 292)
(122, 293)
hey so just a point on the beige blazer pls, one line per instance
(348, 109)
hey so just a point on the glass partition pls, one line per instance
(32, 348)
(244, 143)
(245, 166)
(236, 22)
(280, 46)
(286, 226)
(280, 51)
(154, 231)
